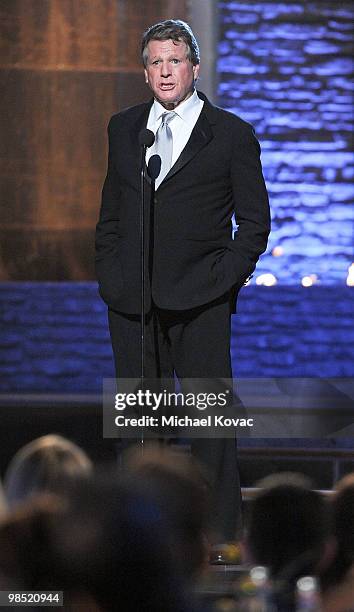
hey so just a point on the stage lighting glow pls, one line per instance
(308, 281)
(268, 280)
(350, 277)
(278, 251)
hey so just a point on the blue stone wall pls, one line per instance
(287, 68)
(54, 336)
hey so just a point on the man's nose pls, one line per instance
(165, 69)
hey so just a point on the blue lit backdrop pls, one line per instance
(287, 69)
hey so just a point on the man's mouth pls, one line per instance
(166, 86)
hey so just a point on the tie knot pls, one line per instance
(167, 117)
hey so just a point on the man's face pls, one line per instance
(169, 73)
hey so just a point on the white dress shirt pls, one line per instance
(187, 113)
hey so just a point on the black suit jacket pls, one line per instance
(192, 257)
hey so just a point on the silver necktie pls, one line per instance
(164, 145)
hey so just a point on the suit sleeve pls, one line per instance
(107, 228)
(251, 209)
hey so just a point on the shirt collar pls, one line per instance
(183, 110)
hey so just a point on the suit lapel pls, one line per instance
(201, 135)
(135, 130)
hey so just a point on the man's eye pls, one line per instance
(175, 61)
(155, 62)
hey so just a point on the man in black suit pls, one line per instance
(195, 267)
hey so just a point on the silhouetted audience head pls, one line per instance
(46, 464)
(176, 482)
(25, 552)
(288, 525)
(3, 503)
(105, 544)
(342, 505)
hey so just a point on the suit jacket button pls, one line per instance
(155, 200)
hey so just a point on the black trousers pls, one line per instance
(194, 344)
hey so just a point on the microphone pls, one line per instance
(146, 138)
(154, 167)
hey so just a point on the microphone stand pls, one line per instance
(142, 251)
(146, 139)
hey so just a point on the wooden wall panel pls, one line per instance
(66, 66)
(91, 34)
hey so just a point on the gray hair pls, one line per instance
(172, 29)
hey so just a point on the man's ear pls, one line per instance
(146, 76)
(196, 71)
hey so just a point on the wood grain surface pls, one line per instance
(66, 66)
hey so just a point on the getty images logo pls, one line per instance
(154, 401)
